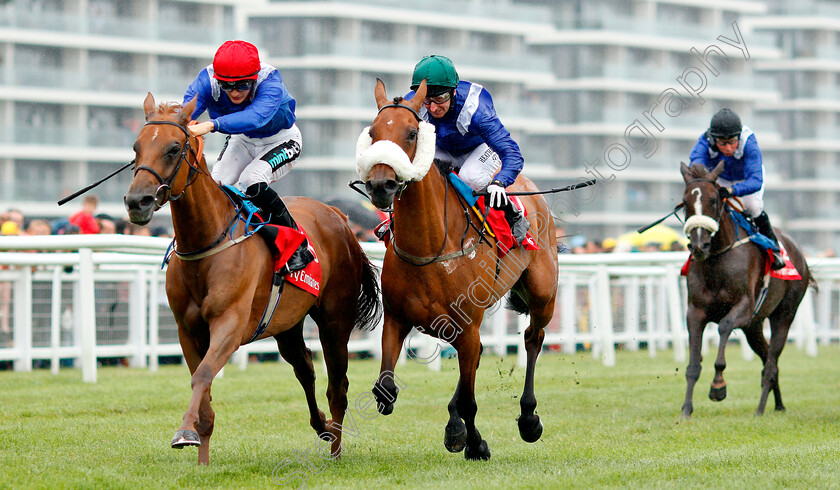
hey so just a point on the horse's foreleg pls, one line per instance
(530, 426)
(293, 349)
(696, 322)
(455, 434)
(739, 316)
(468, 346)
(385, 389)
(223, 343)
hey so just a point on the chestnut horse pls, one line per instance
(440, 274)
(724, 282)
(218, 299)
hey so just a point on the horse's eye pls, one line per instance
(173, 150)
(412, 134)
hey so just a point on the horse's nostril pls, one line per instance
(391, 186)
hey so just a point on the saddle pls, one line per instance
(290, 246)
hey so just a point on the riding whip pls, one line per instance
(80, 192)
(660, 220)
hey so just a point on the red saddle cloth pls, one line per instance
(501, 229)
(286, 241)
(786, 273)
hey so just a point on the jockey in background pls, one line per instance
(743, 175)
(469, 135)
(247, 100)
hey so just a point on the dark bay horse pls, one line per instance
(724, 282)
(218, 299)
(439, 276)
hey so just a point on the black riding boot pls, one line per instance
(518, 222)
(269, 202)
(764, 227)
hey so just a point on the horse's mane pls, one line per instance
(698, 171)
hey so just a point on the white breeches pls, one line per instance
(247, 161)
(476, 168)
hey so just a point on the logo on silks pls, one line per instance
(282, 154)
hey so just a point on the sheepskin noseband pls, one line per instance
(700, 221)
(369, 154)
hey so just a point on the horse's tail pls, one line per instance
(370, 305)
(515, 301)
(812, 281)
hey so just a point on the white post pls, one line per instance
(522, 323)
(137, 318)
(805, 316)
(87, 315)
(677, 320)
(154, 320)
(55, 320)
(631, 313)
(23, 320)
(650, 317)
(604, 315)
(568, 311)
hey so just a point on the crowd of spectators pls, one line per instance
(85, 221)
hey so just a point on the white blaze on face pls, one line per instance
(698, 220)
(698, 202)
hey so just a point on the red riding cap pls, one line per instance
(236, 60)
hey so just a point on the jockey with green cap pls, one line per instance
(469, 135)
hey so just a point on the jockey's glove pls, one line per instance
(725, 192)
(498, 195)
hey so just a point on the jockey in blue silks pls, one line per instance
(247, 100)
(743, 171)
(469, 135)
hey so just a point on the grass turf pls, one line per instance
(604, 427)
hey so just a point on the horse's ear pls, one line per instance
(717, 171)
(419, 95)
(686, 173)
(187, 110)
(149, 106)
(379, 94)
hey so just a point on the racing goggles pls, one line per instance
(239, 85)
(440, 99)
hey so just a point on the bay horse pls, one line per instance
(724, 282)
(439, 275)
(218, 300)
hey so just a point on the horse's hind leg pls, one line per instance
(530, 426)
(756, 340)
(455, 434)
(293, 349)
(468, 346)
(779, 327)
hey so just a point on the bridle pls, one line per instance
(439, 257)
(163, 194)
(702, 222)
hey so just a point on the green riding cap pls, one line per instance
(439, 73)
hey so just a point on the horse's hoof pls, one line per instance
(482, 452)
(717, 394)
(530, 428)
(780, 408)
(185, 437)
(385, 408)
(455, 438)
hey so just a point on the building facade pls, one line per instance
(617, 90)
